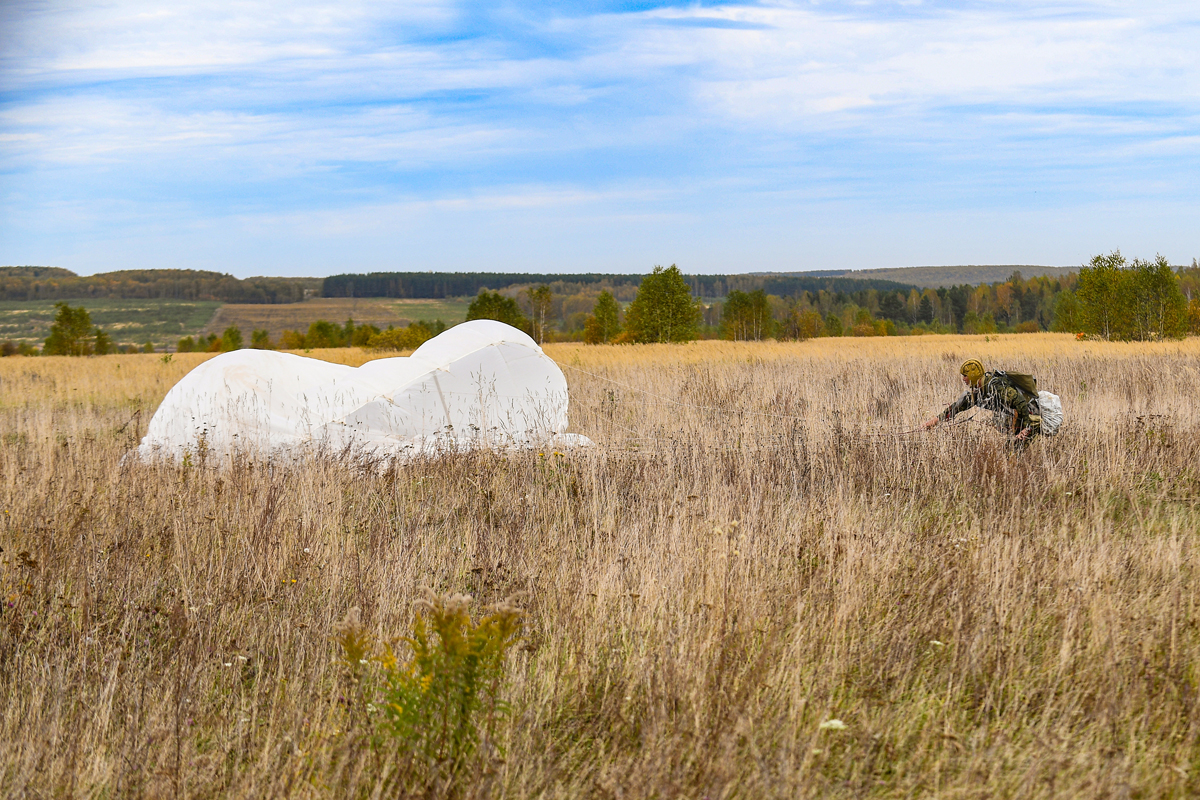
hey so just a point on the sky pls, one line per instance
(271, 138)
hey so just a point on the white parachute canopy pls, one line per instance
(482, 383)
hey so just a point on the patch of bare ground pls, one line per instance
(751, 551)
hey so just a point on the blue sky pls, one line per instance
(310, 139)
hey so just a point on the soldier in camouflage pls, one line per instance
(1011, 398)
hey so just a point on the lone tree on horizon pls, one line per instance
(540, 307)
(663, 310)
(72, 334)
(493, 305)
(604, 323)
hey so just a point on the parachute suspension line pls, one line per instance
(679, 403)
(731, 412)
(599, 409)
(952, 424)
(442, 400)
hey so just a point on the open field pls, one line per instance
(953, 276)
(377, 311)
(981, 623)
(127, 321)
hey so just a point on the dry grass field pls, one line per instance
(755, 585)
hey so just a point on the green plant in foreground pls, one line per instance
(441, 703)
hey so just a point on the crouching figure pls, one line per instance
(1011, 397)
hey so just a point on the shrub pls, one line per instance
(604, 324)
(291, 340)
(104, 343)
(441, 704)
(449, 693)
(231, 339)
(70, 335)
(323, 334)
(410, 338)
(493, 305)
(361, 336)
(261, 340)
(974, 323)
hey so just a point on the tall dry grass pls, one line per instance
(748, 553)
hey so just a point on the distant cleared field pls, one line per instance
(377, 311)
(127, 321)
(954, 276)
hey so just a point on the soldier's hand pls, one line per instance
(1023, 434)
(929, 423)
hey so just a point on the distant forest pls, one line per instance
(438, 285)
(54, 283)
(786, 305)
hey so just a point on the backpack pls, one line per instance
(1026, 383)
(1049, 404)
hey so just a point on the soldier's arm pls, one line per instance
(967, 400)
(954, 409)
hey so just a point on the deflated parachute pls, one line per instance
(482, 383)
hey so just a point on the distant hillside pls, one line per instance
(54, 283)
(973, 275)
(467, 284)
(36, 272)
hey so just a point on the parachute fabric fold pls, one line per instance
(482, 383)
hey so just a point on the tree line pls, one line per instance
(1138, 301)
(663, 310)
(440, 285)
(321, 334)
(53, 283)
(1109, 298)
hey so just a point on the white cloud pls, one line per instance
(438, 108)
(807, 63)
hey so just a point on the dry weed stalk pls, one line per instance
(976, 623)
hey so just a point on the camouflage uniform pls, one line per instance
(1012, 409)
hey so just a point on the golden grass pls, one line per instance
(984, 623)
